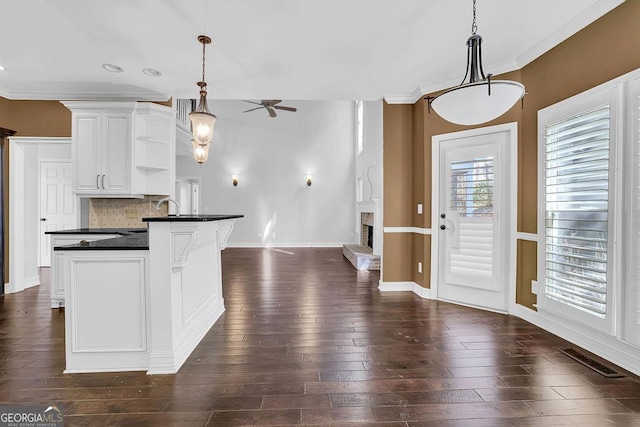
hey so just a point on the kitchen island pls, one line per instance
(61, 238)
(145, 300)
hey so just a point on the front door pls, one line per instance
(473, 218)
(57, 204)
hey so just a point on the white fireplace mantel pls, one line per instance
(375, 207)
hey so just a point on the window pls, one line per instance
(577, 211)
(472, 187)
(576, 220)
(359, 128)
(359, 189)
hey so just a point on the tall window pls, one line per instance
(576, 224)
(359, 128)
(577, 211)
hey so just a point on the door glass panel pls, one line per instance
(471, 214)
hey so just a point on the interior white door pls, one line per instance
(473, 220)
(57, 204)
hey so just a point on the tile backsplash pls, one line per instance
(123, 213)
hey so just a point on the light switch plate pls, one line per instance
(419, 208)
(419, 267)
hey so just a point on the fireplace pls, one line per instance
(365, 251)
(369, 225)
(366, 231)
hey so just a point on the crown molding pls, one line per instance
(83, 96)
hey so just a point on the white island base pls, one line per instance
(144, 309)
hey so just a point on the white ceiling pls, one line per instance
(265, 49)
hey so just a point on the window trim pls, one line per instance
(608, 93)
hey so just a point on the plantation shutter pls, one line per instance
(472, 214)
(576, 211)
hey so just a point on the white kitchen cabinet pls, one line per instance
(122, 149)
(56, 279)
(101, 143)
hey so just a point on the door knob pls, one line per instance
(442, 215)
(43, 219)
(443, 227)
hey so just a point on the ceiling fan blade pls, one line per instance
(254, 109)
(285, 108)
(251, 102)
(271, 102)
(271, 111)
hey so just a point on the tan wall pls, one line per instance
(418, 256)
(419, 181)
(35, 118)
(602, 51)
(397, 250)
(398, 165)
(526, 271)
(398, 190)
(29, 118)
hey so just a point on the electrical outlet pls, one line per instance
(419, 267)
(419, 208)
(534, 287)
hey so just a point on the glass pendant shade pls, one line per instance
(202, 125)
(471, 104)
(202, 121)
(200, 151)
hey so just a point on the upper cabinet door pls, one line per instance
(116, 169)
(87, 151)
(122, 149)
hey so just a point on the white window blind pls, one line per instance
(576, 211)
(472, 187)
(472, 215)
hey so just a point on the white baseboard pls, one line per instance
(610, 348)
(29, 282)
(405, 287)
(285, 245)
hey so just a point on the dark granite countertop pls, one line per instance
(121, 231)
(190, 218)
(132, 241)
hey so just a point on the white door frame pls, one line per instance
(24, 210)
(512, 176)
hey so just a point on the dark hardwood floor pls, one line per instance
(306, 339)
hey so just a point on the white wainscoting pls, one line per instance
(106, 324)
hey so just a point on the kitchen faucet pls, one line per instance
(168, 199)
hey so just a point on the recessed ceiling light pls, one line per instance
(151, 72)
(2, 68)
(112, 68)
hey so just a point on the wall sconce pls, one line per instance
(234, 180)
(308, 180)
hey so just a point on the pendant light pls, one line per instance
(200, 151)
(202, 121)
(481, 99)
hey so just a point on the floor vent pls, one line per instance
(590, 363)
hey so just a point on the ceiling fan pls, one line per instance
(271, 106)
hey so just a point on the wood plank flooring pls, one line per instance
(307, 339)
